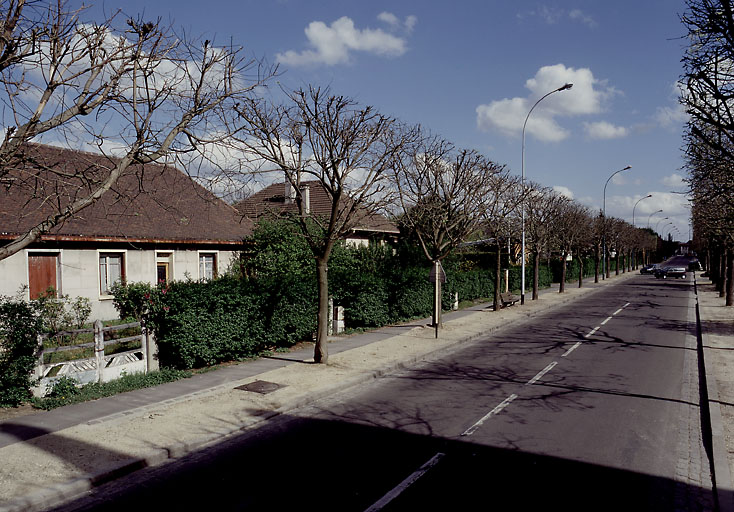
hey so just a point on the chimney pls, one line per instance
(306, 199)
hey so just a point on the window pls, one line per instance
(111, 271)
(163, 267)
(207, 266)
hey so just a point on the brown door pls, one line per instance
(42, 273)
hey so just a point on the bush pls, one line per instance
(271, 302)
(20, 326)
(61, 313)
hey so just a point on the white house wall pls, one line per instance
(79, 272)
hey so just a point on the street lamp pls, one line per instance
(658, 223)
(604, 232)
(635, 206)
(650, 216)
(522, 204)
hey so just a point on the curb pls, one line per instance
(722, 478)
(59, 494)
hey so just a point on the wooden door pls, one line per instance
(42, 273)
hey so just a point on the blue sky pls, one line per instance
(470, 70)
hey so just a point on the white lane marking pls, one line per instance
(491, 413)
(577, 345)
(540, 374)
(606, 320)
(617, 312)
(626, 304)
(396, 491)
(592, 332)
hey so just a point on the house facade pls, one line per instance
(155, 225)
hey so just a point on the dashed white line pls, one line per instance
(592, 332)
(626, 305)
(606, 320)
(396, 491)
(540, 374)
(617, 312)
(491, 413)
(577, 345)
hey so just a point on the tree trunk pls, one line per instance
(722, 273)
(321, 349)
(581, 270)
(562, 287)
(729, 277)
(616, 270)
(536, 273)
(596, 263)
(498, 280)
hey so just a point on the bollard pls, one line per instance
(99, 348)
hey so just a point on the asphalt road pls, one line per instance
(591, 407)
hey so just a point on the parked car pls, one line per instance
(672, 271)
(676, 272)
(695, 265)
(649, 269)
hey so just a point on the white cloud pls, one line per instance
(389, 18)
(554, 15)
(588, 96)
(564, 191)
(674, 206)
(671, 117)
(675, 180)
(605, 130)
(332, 45)
(579, 15)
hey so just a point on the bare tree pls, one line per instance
(350, 150)
(500, 212)
(133, 90)
(541, 207)
(443, 193)
(571, 233)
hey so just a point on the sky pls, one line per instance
(470, 71)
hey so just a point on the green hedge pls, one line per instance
(20, 325)
(271, 302)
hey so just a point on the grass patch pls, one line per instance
(66, 391)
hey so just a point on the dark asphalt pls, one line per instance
(594, 426)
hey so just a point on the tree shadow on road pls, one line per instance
(338, 465)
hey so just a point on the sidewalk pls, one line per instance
(717, 336)
(50, 457)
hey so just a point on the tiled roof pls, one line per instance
(272, 200)
(148, 203)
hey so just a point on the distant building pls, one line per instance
(280, 198)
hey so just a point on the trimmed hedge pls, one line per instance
(271, 303)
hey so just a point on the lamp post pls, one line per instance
(635, 206)
(650, 216)
(658, 223)
(522, 204)
(604, 215)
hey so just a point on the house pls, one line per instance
(155, 224)
(280, 198)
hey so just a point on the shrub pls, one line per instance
(20, 326)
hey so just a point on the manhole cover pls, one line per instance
(260, 386)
